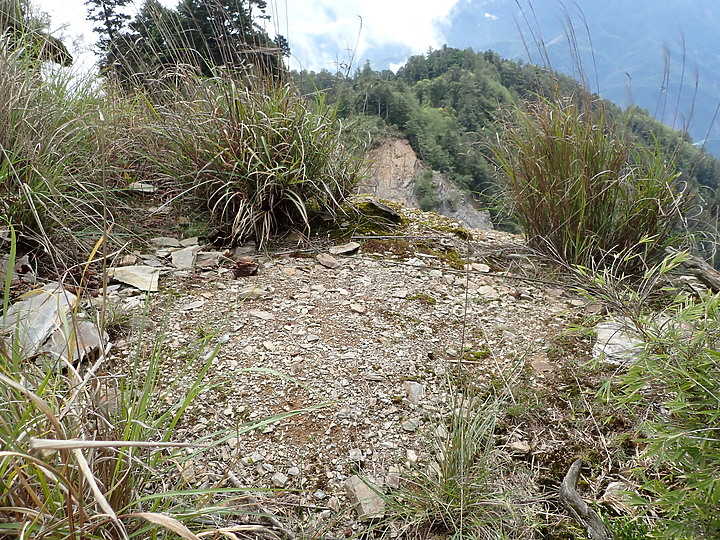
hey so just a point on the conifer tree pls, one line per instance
(111, 20)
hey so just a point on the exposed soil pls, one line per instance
(309, 383)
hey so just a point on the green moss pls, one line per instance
(449, 256)
(423, 299)
(398, 247)
(361, 216)
(475, 355)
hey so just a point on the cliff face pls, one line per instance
(394, 170)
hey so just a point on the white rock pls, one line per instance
(334, 504)
(185, 258)
(208, 259)
(264, 315)
(400, 293)
(357, 308)
(190, 306)
(616, 344)
(279, 480)
(412, 456)
(251, 292)
(365, 498)
(415, 391)
(344, 249)
(144, 278)
(488, 292)
(520, 447)
(410, 425)
(165, 241)
(392, 478)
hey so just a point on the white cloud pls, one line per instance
(357, 25)
(491, 16)
(321, 32)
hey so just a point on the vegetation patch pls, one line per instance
(423, 298)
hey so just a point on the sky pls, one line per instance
(323, 34)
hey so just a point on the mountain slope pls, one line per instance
(645, 53)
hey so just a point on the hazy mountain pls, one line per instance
(631, 52)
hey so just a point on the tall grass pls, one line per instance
(51, 184)
(86, 454)
(460, 491)
(581, 191)
(262, 157)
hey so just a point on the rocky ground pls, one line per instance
(332, 365)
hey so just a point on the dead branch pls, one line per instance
(580, 511)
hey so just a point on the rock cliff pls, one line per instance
(394, 171)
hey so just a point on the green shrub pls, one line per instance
(675, 384)
(425, 192)
(581, 192)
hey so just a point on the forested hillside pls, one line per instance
(449, 103)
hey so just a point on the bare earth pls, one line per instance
(333, 353)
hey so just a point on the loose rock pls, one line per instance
(328, 261)
(365, 498)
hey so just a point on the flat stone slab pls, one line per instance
(616, 344)
(344, 249)
(185, 258)
(328, 261)
(365, 497)
(144, 278)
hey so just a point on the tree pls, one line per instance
(109, 18)
(199, 34)
(224, 33)
(148, 44)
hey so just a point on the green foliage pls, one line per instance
(581, 192)
(22, 32)
(110, 18)
(675, 380)
(450, 105)
(263, 161)
(425, 192)
(204, 35)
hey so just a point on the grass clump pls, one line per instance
(263, 158)
(581, 191)
(459, 493)
(89, 456)
(85, 454)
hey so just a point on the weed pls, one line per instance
(459, 494)
(674, 380)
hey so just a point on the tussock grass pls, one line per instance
(582, 192)
(265, 159)
(461, 493)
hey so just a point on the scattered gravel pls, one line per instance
(351, 356)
